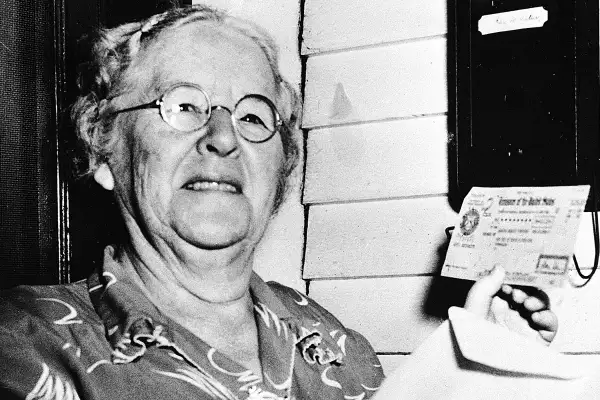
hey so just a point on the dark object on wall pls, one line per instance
(28, 161)
(527, 100)
(53, 226)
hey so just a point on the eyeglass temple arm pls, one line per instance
(152, 104)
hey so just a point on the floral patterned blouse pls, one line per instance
(103, 339)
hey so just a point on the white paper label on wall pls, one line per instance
(513, 20)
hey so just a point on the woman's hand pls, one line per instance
(524, 310)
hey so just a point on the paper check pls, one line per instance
(529, 231)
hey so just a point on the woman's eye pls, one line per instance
(188, 107)
(252, 119)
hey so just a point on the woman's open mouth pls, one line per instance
(212, 185)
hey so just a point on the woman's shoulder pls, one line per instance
(305, 308)
(26, 307)
(41, 331)
(301, 305)
(358, 354)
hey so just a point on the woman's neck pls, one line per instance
(207, 301)
(211, 277)
(167, 264)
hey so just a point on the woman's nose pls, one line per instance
(220, 138)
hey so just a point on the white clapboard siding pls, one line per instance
(393, 237)
(338, 24)
(395, 314)
(389, 312)
(377, 160)
(390, 362)
(400, 80)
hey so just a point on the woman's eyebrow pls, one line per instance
(159, 86)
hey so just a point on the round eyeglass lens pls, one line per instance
(185, 108)
(256, 118)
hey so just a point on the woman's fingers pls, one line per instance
(518, 296)
(545, 320)
(534, 304)
(529, 299)
(524, 310)
(528, 312)
(547, 336)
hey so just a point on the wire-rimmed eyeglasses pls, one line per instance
(186, 107)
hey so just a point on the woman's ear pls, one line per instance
(104, 177)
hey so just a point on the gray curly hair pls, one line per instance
(113, 51)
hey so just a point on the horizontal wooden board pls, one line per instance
(377, 160)
(396, 81)
(391, 362)
(393, 237)
(397, 314)
(337, 24)
(389, 312)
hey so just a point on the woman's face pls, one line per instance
(209, 188)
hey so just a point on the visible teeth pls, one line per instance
(204, 185)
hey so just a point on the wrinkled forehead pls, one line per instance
(214, 56)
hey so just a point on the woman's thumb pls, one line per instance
(483, 291)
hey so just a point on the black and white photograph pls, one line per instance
(299, 199)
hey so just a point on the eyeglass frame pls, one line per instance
(159, 103)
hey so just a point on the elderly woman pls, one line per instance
(188, 121)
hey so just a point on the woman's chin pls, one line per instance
(215, 236)
(216, 242)
(213, 225)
